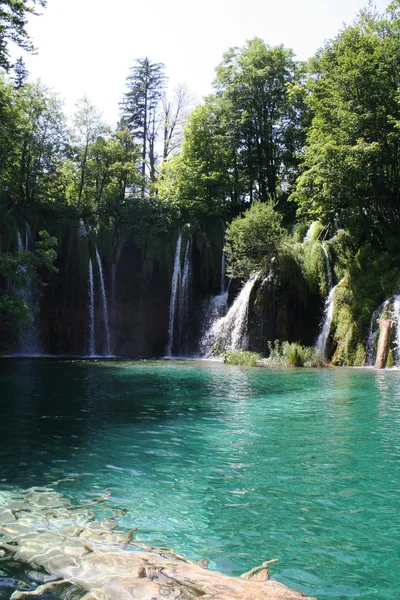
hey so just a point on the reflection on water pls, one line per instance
(232, 464)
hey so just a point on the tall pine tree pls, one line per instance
(140, 110)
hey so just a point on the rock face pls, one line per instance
(132, 283)
(42, 528)
(137, 305)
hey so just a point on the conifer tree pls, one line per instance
(21, 73)
(140, 110)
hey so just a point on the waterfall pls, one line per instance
(373, 335)
(113, 305)
(230, 331)
(28, 338)
(28, 236)
(81, 230)
(322, 339)
(307, 237)
(223, 272)
(328, 267)
(184, 299)
(174, 293)
(215, 308)
(92, 340)
(104, 304)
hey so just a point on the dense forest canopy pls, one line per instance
(278, 144)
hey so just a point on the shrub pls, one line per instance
(241, 357)
(293, 355)
(252, 240)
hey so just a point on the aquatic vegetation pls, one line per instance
(286, 354)
(241, 357)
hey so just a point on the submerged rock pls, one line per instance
(41, 528)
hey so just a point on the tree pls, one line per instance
(13, 21)
(21, 73)
(265, 124)
(253, 239)
(175, 114)
(88, 127)
(199, 180)
(242, 144)
(27, 267)
(139, 110)
(32, 143)
(351, 169)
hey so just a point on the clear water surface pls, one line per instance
(231, 464)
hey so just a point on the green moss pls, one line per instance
(315, 231)
(390, 359)
(314, 267)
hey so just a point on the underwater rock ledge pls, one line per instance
(42, 528)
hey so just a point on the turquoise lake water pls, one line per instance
(231, 464)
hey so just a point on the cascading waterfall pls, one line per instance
(184, 299)
(92, 339)
(105, 306)
(322, 339)
(214, 308)
(176, 276)
(223, 272)
(230, 331)
(113, 304)
(328, 267)
(29, 342)
(373, 335)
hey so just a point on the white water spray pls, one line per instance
(176, 276)
(105, 306)
(322, 339)
(92, 339)
(230, 332)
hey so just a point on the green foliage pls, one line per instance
(13, 22)
(314, 267)
(293, 355)
(46, 252)
(17, 272)
(390, 360)
(252, 240)
(241, 357)
(352, 154)
(241, 145)
(14, 314)
(346, 337)
(145, 84)
(199, 180)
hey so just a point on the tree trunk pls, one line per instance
(385, 327)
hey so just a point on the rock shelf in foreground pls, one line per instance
(42, 528)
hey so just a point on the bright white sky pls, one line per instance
(86, 47)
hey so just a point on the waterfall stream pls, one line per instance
(328, 267)
(104, 305)
(176, 276)
(28, 338)
(230, 331)
(184, 300)
(322, 339)
(92, 339)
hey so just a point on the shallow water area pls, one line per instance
(232, 464)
